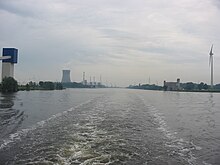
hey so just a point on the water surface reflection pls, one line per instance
(10, 118)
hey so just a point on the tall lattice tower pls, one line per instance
(66, 76)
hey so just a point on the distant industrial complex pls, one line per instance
(10, 57)
(66, 81)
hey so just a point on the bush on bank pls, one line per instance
(9, 84)
(42, 85)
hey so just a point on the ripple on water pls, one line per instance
(177, 146)
(104, 131)
(68, 138)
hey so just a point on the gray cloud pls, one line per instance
(132, 38)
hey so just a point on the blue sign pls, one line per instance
(10, 52)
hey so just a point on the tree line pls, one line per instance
(9, 84)
(42, 85)
(189, 86)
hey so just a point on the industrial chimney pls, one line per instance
(66, 76)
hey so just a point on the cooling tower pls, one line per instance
(66, 76)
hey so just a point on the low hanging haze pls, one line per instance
(125, 41)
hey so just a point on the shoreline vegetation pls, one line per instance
(48, 85)
(185, 87)
(42, 85)
(9, 85)
(81, 85)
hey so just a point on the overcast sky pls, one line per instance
(125, 41)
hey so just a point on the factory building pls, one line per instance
(172, 86)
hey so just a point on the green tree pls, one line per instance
(205, 86)
(27, 86)
(217, 86)
(59, 86)
(9, 84)
(47, 85)
(41, 83)
(189, 86)
(201, 86)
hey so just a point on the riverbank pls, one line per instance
(47, 85)
(199, 91)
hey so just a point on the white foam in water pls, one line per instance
(13, 137)
(17, 136)
(182, 145)
(81, 152)
(206, 163)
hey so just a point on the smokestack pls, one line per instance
(90, 80)
(100, 79)
(94, 80)
(83, 76)
(66, 76)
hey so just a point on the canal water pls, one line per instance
(109, 126)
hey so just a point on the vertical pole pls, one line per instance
(83, 77)
(212, 71)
